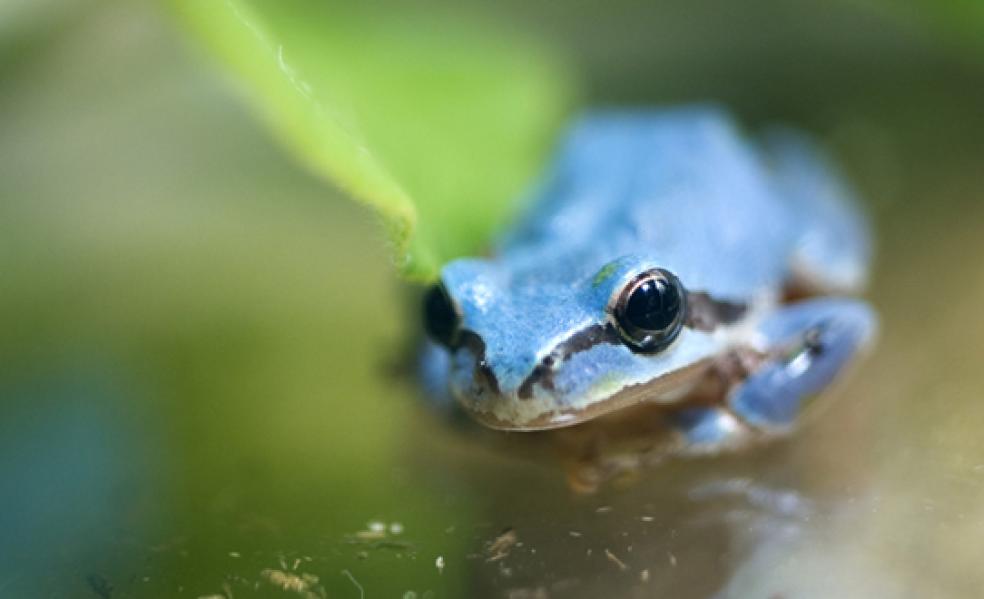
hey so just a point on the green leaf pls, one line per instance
(438, 123)
(961, 18)
(958, 24)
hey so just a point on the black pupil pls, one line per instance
(653, 305)
(440, 319)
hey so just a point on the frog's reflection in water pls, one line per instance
(622, 517)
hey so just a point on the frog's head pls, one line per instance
(529, 350)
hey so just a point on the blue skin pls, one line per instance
(681, 190)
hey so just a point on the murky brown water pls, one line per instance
(195, 398)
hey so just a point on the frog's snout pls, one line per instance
(492, 374)
(495, 387)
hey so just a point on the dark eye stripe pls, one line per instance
(582, 340)
(705, 314)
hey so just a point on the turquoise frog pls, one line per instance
(665, 261)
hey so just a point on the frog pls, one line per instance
(669, 260)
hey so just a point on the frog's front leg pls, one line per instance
(803, 348)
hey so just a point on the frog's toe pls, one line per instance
(812, 343)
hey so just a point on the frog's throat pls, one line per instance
(667, 388)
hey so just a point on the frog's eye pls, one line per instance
(650, 311)
(440, 318)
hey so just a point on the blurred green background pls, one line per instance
(197, 395)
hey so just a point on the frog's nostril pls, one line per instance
(485, 376)
(473, 363)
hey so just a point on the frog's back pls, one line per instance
(682, 186)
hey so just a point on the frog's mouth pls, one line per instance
(522, 408)
(532, 415)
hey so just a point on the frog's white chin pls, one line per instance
(541, 412)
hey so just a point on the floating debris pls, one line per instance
(374, 531)
(362, 591)
(439, 562)
(379, 535)
(644, 576)
(575, 534)
(603, 509)
(377, 531)
(647, 518)
(304, 584)
(235, 554)
(613, 559)
(502, 544)
(673, 559)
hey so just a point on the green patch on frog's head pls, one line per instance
(604, 273)
(534, 352)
